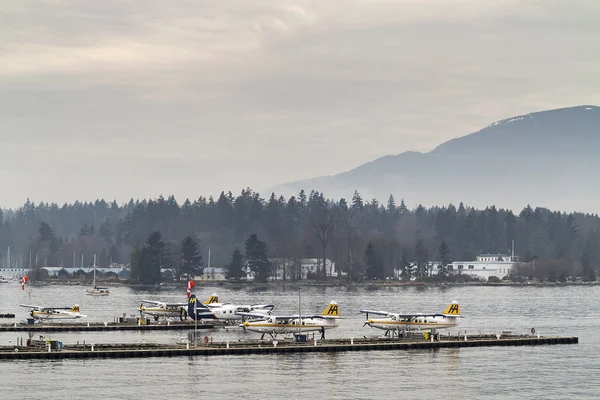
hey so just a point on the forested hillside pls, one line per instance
(306, 225)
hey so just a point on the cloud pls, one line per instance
(238, 93)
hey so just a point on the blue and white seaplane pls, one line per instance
(401, 322)
(197, 311)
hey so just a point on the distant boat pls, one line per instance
(3, 280)
(96, 290)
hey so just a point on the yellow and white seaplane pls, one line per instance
(400, 322)
(229, 312)
(53, 313)
(282, 324)
(159, 309)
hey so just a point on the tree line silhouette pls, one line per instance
(365, 239)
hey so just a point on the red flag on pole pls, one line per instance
(191, 285)
(23, 281)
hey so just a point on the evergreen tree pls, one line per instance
(357, 201)
(236, 270)
(256, 257)
(374, 269)
(421, 256)
(105, 231)
(191, 258)
(587, 272)
(391, 205)
(137, 263)
(406, 269)
(153, 258)
(444, 259)
(302, 198)
(402, 209)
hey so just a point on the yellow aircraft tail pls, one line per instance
(212, 299)
(332, 310)
(453, 309)
(75, 308)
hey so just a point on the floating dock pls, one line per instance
(102, 327)
(268, 347)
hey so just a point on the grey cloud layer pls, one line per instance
(137, 98)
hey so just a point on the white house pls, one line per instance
(306, 265)
(485, 266)
(212, 274)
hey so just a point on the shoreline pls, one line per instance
(296, 284)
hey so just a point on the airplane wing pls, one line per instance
(305, 316)
(320, 316)
(30, 306)
(156, 303)
(255, 306)
(376, 312)
(252, 315)
(176, 304)
(420, 315)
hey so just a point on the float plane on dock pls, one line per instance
(51, 313)
(281, 324)
(157, 309)
(230, 312)
(397, 322)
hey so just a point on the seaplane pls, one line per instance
(157, 309)
(197, 311)
(229, 312)
(400, 322)
(51, 313)
(283, 324)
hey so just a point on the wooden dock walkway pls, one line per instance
(269, 347)
(101, 327)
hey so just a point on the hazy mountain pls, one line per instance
(547, 158)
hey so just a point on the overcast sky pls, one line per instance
(134, 98)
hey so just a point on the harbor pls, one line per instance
(43, 349)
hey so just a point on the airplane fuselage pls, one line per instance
(283, 326)
(163, 312)
(412, 323)
(46, 315)
(228, 311)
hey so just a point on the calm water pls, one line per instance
(545, 372)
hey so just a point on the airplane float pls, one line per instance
(51, 313)
(282, 324)
(229, 312)
(157, 309)
(397, 322)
